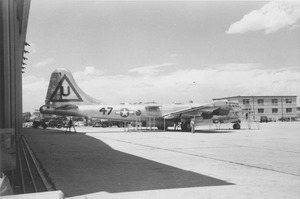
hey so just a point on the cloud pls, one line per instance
(181, 85)
(236, 66)
(150, 70)
(44, 62)
(173, 55)
(270, 18)
(199, 85)
(88, 72)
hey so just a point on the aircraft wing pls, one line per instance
(196, 110)
(189, 112)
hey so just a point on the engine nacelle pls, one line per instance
(221, 111)
(224, 107)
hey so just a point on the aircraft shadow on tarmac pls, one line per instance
(78, 164)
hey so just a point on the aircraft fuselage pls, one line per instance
(117, 112)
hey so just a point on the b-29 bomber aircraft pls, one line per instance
(64, 97)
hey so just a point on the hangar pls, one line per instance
(13, 27)
(271, 106)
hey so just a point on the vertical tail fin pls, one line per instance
(63, 90)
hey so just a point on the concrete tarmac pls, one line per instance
(111, 163)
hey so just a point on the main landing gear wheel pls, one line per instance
(236, 126)
(186, 126)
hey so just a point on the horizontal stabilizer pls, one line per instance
(67, 107)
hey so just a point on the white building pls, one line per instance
(270, 106)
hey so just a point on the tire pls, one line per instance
(186, 126)
(51, 124)
(236, 126)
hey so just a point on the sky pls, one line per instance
(164, 51)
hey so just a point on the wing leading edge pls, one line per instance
(197, 110)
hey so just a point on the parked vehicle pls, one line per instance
(27, 124)
(97, 124)
(107, 123)
(79, 123)
(286, 119)
(264, 119)
(101, 124)
(272, 119)
(38, 123)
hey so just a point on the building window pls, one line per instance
(288, 101)
(246, 109)
(246, 101)
(260, 110)
(275, 101)
(260, 101)
(274, 110)
(288, 110)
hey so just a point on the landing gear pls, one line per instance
(236, 126)
(186, 126)
(162, 128)
(120, 125)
